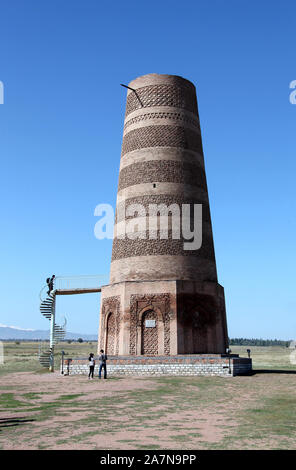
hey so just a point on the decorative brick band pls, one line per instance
(160, 153)
(162, 136)
(178, 117)
(167, 171)
(161, 95)
(144, 268)
(140, 247)
(166, 199)
(178, 189)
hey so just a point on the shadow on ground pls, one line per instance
(272, 371)
(9, 422)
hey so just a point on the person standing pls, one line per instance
(48, 285)
(92, 364)
(103, 358)
(51, 282)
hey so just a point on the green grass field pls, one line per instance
(266, 357)
(41, 410)
(24, 356)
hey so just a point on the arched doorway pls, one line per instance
(110, 332)
(149, 334)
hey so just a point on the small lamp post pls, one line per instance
(68, 361)
(228, 352)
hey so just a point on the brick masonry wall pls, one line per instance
(162, 171)
(181, 96)
(162, 162)
(145, 247)
(191, 365)
(160, 199)
(161, 136)
(161, 118)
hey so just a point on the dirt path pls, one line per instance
(50, 411)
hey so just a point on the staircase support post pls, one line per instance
(51, 342)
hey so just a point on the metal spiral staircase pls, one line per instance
(64, 285)
(57, 332)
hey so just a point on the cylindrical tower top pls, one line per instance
(154, 90)
(159, 79)
(162, 164)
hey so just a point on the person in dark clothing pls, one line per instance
(48, 285)
(92, 364)
(103, 358)
(51, 282)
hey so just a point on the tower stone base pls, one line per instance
(180, 365)
(162, 318)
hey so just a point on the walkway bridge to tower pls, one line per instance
(63, 285)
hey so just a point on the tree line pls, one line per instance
(258, 342)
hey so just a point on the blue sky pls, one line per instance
(61, 124)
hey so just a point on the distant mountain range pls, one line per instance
(12, 332)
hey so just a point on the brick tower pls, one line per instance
(162, 299)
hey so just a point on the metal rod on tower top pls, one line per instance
(125, 86)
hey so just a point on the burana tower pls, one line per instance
(162, 299)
